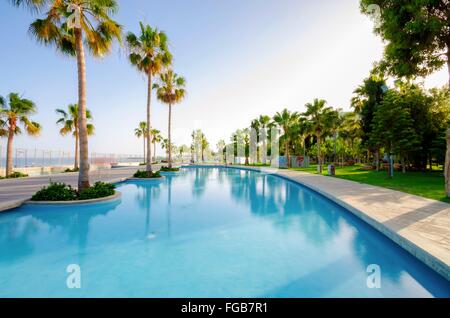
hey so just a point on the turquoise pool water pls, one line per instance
(205, 232)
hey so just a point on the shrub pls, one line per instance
(56, 192)
(72, 170)
(146, 174)
(64, 192)
(99, 190)
(16, 174)
(167, 169)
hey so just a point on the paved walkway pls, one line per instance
(13, 192)
(420, 225)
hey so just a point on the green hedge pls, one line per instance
(147, 174)
(167, 169)
(64, 192)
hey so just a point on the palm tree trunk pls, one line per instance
(319, 159)
(9, 151)
(154, 152)
(77, 149)
(447, 165)
(447, 156)
(144, 139)
(264, 150)
(286, 152)
(169, 136)
(149, 127)
(83, 177)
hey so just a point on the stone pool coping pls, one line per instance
(113, 197)
(419, 225)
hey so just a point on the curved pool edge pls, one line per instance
(434, 262)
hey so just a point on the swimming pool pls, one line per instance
(205, 232)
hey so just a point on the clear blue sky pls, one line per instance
(241, 58)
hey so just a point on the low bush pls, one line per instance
(56, 192)
(15, 175)
(147, 174)
(64, 192)
(99, 190)
(167, 169)
(72, 170)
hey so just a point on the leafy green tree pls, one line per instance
(417, 35)
(393, 127)
(69, 121)
(71, 25)
(149, 53)
(286, 120)
(418, 40)
(14, 111)
(141, 131)
(365, 101)
(170, 89)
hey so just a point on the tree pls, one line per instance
(320, 118)
(365, 102)
(418, 38)
(149, 53)
(221, 149)
(15, 111)
(393, 127)
(264, 122)
(170, 90)
(156, 138)
(204, 145)
(286, 120)
(141, 131)
(256, 125)
(70, 25)
(69, 121)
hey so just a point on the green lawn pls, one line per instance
(425, 184)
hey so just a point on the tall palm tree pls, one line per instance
(286, 120)
(141, 131)
(170, 89)
(319, 116)
(264, 122)
(70, 25)
(255, 124)
(69, 122)
(204, 145)
(15, 110)
(156, 138)
(149, 53)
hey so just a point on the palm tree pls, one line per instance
(170, 90)
(205, 145)
(69, 121)
(319, 117)
(221, 149)
(149, 53)
(15, 110)
(88, 24)
(156, 138)
(141, 131)
(264, 122)
(286, 120)
(255, 124)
